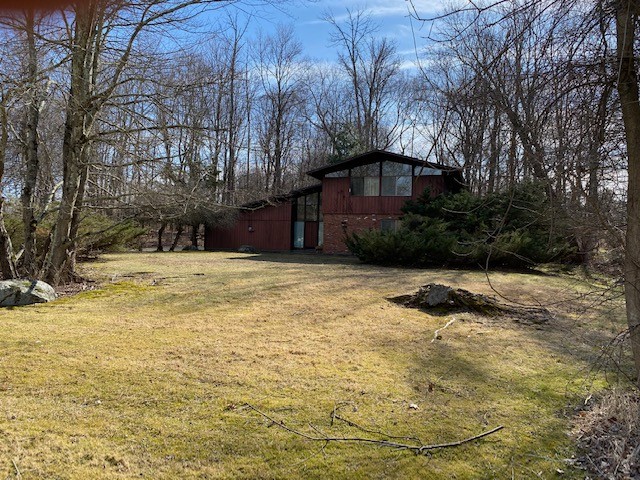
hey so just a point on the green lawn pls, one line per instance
(147, 377)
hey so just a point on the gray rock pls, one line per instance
(438, 294)
(190, 248)
(14, 293)
(247, 249)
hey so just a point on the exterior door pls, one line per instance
(310, 234)
(298, 234)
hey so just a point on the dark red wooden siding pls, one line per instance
(270, 225)
(310, 234)
(434, 182)
(337, 199)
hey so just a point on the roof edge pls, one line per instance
(319, 173)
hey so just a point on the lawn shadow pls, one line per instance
(306, 258)
(592, 350)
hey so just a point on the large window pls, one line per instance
(396, 179)
(311, 207)
(389, 179)
(308, 208)
(365, 180)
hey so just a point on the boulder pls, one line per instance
(247, 249)
(14, 293)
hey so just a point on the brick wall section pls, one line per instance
(334, 229)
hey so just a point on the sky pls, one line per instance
(313, 32)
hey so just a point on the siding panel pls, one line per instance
(434, 182)
(270, 225)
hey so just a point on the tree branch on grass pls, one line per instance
(335, 416)
(436, 335)
(417, 449)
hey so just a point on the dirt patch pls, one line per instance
(74, 288)
(443, 299)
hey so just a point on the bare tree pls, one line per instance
(371, 66)
(102, 39)
(280, 99)
(626, 23)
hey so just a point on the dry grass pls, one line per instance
(146, 377)
(609, 433)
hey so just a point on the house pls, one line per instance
(363, 192)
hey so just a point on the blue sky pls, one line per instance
(313, 32)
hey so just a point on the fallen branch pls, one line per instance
(418, 449)
(335, 416)
(436, 335)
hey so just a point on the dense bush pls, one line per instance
(516, 228)
(96, 233)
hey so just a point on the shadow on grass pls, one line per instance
(591, 351)
(300, 258)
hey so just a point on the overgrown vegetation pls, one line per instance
(97, 233)
(516, 228)
(609, 433)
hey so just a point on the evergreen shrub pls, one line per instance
(515, 228)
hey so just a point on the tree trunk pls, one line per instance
(78, 123)
(70, 267)
(29, 258)
(194, 235)
(176, 239)
(7, 264)
(626, 19)
(160, 248)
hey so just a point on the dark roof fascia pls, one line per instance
(375, 156)
(285, 197)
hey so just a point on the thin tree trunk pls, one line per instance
(7, 264)
(176, 239)
(626, 19)
(70, 267)
(194, 235)
(160, 248)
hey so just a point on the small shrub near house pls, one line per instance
(516, 228)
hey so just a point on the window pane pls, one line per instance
(388, 186)
(357, 186)
(312, 207)
(298, 235)
(388, 225)
(371, 170)
(300, 209)
(394, 169)
(371, 186)
(396, 186)
(403, 186)
(426, 171)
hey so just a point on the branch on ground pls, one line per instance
(417, 449)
